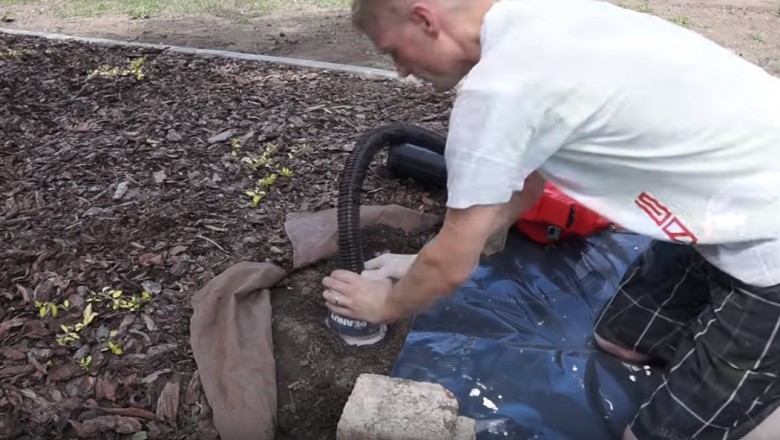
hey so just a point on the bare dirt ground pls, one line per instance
(749, 27)
(114, 183)
(317, 34)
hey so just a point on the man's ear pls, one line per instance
(422, 15)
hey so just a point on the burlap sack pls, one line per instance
(314, 235)
(230, 334)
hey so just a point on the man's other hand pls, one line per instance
(393, 266)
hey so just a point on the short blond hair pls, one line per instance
(366, 13)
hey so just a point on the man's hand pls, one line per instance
(448, 260)
(363, 297)
(358, 297)
(440, 267)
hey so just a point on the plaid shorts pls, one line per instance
(716, 338)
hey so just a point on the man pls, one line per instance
(643, 121)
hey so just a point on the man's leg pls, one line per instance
(722, 381)
(662, 292)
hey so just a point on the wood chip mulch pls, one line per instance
(123, 189)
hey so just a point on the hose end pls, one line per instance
(355, 332)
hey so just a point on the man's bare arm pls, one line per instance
(448, 260)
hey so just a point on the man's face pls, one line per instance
(419, 47)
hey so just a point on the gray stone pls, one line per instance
(385, 408)
(465, 429)
(221, 137)
(121, 189)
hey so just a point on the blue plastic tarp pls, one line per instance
(515, 345)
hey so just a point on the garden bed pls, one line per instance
(134, 179)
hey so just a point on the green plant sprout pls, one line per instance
(235, 146)
(135, 69)
(47, 307)
(85, 362)
(12, 53)
(113, 345)
(257, 196)
(268, 181)
(118, 299)
(265, 160)
(71, 332)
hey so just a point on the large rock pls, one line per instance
(385, 408)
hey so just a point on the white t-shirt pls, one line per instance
(644, 121)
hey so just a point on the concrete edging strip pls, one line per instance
(299, 62)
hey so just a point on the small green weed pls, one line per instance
(235, 146)
(681, 21)
(135, 69)
(85, 362)
(47, 308)
(758, 36)
(265, 162)
(642, 7)
(14, 53)
(118, 299)
(71, 332)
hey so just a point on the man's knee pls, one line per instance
(618, 351)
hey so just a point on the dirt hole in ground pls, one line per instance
(316, 371)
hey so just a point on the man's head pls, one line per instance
(434, 40)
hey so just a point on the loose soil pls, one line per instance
(139, 184)
(319, 370)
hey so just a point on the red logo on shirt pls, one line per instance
(669, 223)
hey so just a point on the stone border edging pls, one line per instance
(298, 62)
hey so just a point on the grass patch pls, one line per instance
(142, 9)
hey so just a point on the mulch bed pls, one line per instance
(118, 183)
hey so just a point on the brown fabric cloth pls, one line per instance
(230, 334)
(314, 235)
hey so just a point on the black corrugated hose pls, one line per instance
(351, 181)
(350, 187)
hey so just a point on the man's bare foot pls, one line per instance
(622, 353)
(628, 435)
